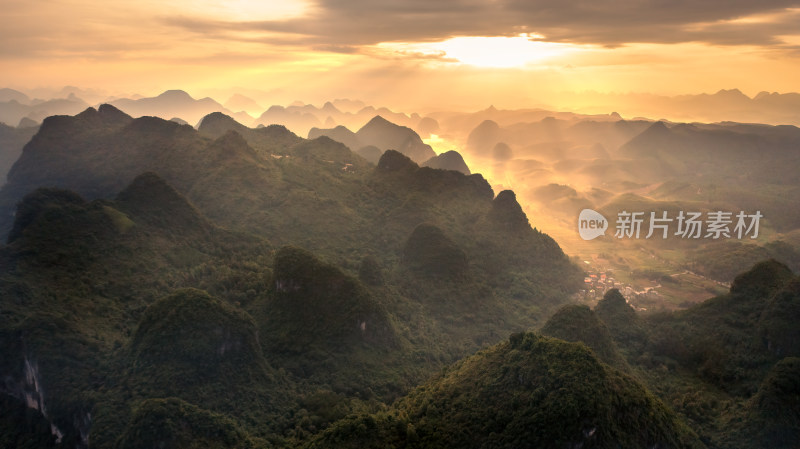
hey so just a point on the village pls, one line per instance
(597, 283)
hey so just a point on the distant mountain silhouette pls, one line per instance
(382, 135)
(723, 105)
(295, 118)
(217, 124)
(552, 138)
(300, 117)
(12, 111)
(751, 153)
(388, 136)
(11, 142)
(238, 103)
(346, 105)
(427, 126)
(450, 121)
(27, 122)
(267, 140)
(339, 134)
(484, 137)
(502, 152)
(7, 95)
(175, 103)
(449, 160)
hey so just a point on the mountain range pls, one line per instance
(724, 105)
(562, 164)
(381, 134)
(163, 285)
(346, 315)
(175, 103)
(595, 161)
(15, 106)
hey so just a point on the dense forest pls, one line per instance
(226, 286)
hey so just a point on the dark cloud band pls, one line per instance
(342, 24)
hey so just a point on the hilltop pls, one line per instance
(530, 391)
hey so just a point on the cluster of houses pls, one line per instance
(596, 284)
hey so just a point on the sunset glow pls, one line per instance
(250, 9)
(502, 52)
(466, 54)
(498, 52)
(414, 224)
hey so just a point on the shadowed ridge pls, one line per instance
(112, 115)
(36, 203)
(507, 214)
(450, 160)
(316, 306)
(150, 198)
(624, 324)
(387, 135)
(578, 323)
(763, 279)
(217, 124)
(430, 253)
(393, 161)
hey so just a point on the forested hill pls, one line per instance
(251, 284)
(162, 286)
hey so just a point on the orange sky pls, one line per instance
(409, 54)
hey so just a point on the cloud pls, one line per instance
(128, 29)
(343, 49)
(347, 23)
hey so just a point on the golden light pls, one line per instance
(501, 52)
(480, 51)
(250, 9)
(441, 145)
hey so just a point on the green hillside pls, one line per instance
(162, 262)
(530, 391)
(174, 423)
(163, 286)
(578, 323)
(715, 362)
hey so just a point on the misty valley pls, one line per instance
(183, 273)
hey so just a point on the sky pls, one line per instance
(412, 54)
